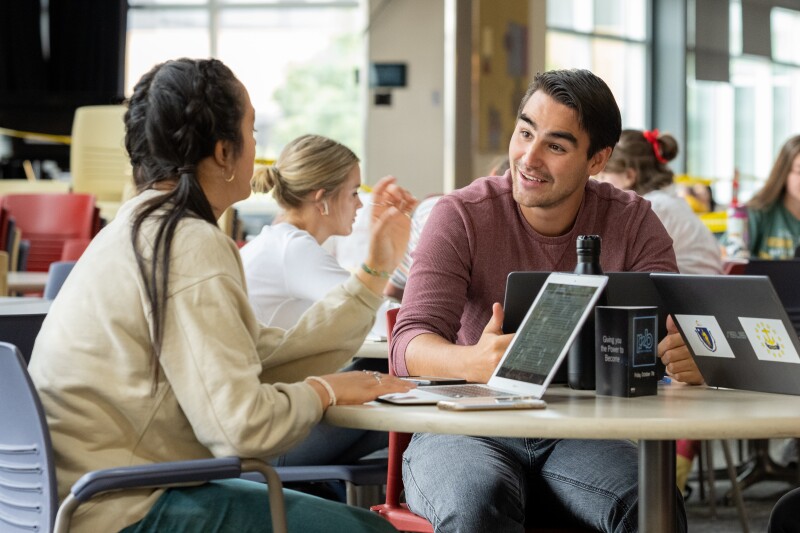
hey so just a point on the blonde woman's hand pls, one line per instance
(353, 388)
(391, 224)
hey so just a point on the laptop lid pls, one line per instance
(541, 342)
(783, 275)
(737, 330)
(634, 289)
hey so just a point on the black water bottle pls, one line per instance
(580, 361)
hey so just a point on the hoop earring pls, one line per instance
(325, 207)
(231, 178)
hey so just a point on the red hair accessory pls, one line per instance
(652, 137)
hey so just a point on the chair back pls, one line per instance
(28, 494)
(99, 163)
(47, 220)
(73, 249)
(56, 276)
(3, 273)
(20, 324)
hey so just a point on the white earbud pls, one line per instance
(325, 207)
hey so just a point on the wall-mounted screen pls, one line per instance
(387, 75)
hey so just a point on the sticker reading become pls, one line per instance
(704, 335)
(769, 339)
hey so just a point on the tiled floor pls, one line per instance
(758, 502)
(758, 499)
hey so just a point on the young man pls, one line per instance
(528, 219)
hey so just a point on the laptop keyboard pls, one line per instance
(466, 391)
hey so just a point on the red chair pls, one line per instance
(398, 514)
(48, 220)
(395, 512)
(73, 249)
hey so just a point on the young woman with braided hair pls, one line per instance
(151, 352)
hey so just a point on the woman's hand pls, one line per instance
(389, 231)
(353, 388)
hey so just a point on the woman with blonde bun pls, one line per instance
(316, 182)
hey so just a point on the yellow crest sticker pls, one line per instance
(770, 340)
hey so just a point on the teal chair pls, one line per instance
(56, 276)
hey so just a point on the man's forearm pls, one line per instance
(431, 355)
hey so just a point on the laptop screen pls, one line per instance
(545, 332)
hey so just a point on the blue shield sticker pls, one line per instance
(705, 337)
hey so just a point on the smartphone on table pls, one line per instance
(483, 404)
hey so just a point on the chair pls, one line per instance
(47, 220)
(3, 273)
(20, 324)
(99, 162)
(73, 249)
(398, 514)
(28, 490)
(362, 481)
(56, 276)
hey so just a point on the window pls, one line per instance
(609, 38)
(298, 59)
(743, 123)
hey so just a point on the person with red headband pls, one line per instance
(639, 163)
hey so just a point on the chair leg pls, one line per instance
(737, 494)
(712, 491)
(701, 477)
(362, 495)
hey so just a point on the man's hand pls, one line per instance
(491, 346)
(676, 357)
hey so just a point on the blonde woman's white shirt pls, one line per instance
(287, 271)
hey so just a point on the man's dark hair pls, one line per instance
(590, 97)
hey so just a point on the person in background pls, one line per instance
(151, 351)
(639, 163)
(774, 211)
(450, 323)
(316, 182)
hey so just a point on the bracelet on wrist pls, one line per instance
(373, 272)
(326, 386)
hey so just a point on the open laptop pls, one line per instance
(784, 276)
(541, 342)
(623, 289)
(737, 330)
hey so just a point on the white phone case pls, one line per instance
(483, 404)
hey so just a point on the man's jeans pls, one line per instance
(475, 484)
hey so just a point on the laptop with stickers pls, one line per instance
(533, 356)
(783, 275)
(737, 330)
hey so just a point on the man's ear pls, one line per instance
(598, 161)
